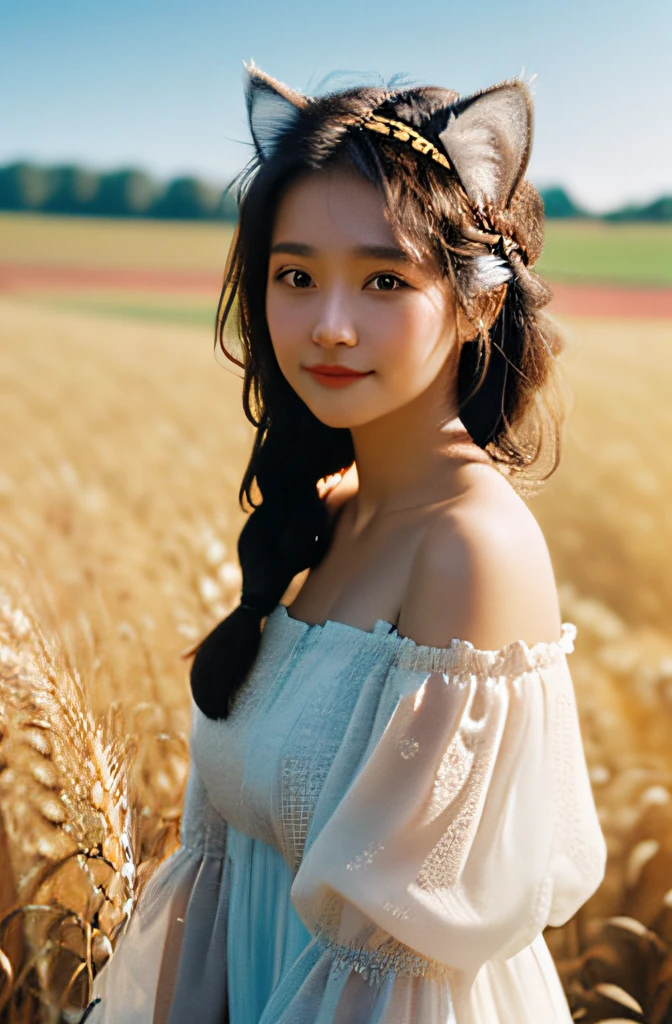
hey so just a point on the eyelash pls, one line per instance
(400, 282)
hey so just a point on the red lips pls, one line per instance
(335, 376)
(335, 371)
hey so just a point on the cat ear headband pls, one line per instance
(484, 142)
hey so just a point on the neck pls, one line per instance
(410, 457)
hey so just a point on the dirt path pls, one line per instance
(16, 277)
(611, 301)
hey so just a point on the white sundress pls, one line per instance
(378, 834)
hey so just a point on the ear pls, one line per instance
(272, 107)
(488, 138)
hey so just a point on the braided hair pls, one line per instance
(484, 238)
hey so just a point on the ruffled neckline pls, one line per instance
(459, 657)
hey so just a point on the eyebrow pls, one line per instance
(376, 252)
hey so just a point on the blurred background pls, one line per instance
(123, 440)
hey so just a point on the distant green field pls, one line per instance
(108, 242)
(201, 312)
(627, 254)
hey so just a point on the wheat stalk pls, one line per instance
(79, 841)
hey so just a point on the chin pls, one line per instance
(341, 419)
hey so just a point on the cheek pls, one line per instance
(416, 336)
(285, 325)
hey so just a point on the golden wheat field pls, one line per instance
(123, 445)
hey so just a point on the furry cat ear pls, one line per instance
(488, 139)
(272, 107)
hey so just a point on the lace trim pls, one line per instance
(373, 953)
(461, 657)
(391, 956)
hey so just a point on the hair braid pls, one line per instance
(287, 533)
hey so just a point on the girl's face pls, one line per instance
(342, 295)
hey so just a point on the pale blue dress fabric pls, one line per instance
(378, 834)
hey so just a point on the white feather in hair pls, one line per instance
(488, 272)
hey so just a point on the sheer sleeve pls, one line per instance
(170, 965)
(467, 827)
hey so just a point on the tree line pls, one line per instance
(558, 204)
(128, 192)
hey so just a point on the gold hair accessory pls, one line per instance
(404, 133)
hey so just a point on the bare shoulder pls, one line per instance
(482, 573)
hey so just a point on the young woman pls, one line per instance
(388, 799)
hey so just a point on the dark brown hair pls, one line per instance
(509, 389)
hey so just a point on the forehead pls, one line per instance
(332, 208)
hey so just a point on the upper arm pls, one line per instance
(482, 574)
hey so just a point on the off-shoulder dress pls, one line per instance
(379, 832)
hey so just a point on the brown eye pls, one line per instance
(386, 283)
(297, 278)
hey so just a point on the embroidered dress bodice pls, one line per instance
(380, 831)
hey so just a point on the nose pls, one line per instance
(335, 324)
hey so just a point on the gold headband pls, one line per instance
(402, 132)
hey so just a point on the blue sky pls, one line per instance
(158, 83)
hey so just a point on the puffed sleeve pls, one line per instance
(170, 964)
(468, 825)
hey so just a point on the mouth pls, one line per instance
(335, 376)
